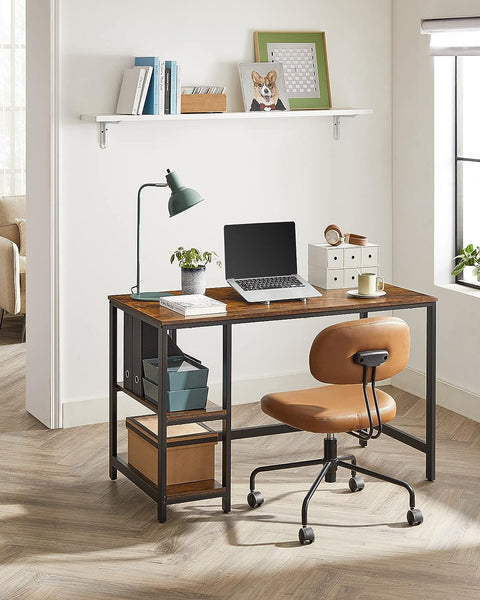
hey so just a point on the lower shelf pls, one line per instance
(176, 494)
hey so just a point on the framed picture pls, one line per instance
(263, 87)
(304, 58)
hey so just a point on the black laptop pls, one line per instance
(261, 262)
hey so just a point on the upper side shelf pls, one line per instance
(335, 113)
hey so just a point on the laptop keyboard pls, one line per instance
(269, 283)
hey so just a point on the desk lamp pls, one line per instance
(181, 199)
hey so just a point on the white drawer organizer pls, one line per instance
(335, 267)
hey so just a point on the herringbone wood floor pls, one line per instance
(68, 532)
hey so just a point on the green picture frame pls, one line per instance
(304, 58)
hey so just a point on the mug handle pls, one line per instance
(380, 280)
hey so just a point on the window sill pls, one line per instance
(462, 289)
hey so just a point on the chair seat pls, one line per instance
(328, 409)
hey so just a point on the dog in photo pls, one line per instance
(265, 92)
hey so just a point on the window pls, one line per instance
(459, 38)
(12, 97)
(467, 103)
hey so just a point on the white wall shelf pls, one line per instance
(335, 113)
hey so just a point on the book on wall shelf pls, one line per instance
(191, 305)
(131, 91)
(151, 106)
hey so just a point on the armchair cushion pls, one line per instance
(10, 298)
(21, 229)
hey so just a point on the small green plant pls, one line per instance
(193, 258)
(469, 257)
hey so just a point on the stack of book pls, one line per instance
(151, 87)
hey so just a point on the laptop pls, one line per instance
(261, 262)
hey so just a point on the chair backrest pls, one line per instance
(11, 208)
(331, 354)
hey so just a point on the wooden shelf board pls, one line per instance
(212, 411)
(179, 492)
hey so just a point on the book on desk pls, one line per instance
(190, 305)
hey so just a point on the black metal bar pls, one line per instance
(399, 482)
(199, 496)
(227, 422)
(363, 314)
(162, 400)
(404, 437)
(430, 392)
(280, 467)
(312, 490)
(149, 489)
(112, 393)
(240, 433)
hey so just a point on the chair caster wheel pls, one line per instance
(363, 443)
(356, 484)
(414, 516)
(255, 499)
(306, 535)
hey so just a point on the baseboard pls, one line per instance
(88, 412)
(461, 401)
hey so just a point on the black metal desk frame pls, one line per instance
(159, 493)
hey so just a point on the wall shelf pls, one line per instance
(335, 113)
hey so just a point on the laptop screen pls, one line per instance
(260, 250)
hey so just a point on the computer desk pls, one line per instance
(167, 323)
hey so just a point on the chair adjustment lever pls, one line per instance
(370, 358)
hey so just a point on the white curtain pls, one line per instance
(458, 36)
(12, 97)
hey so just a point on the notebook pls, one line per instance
(261, 262)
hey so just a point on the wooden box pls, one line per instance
(185, 463)
(204, 103)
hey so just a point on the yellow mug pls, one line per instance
(369, 284)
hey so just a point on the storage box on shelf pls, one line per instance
(190, 450)
(186, 383)
(203, 103)
(335, 267)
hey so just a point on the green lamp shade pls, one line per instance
(182, 198)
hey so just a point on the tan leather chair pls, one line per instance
(12, 257)
(352, 356)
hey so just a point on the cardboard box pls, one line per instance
(204, 103)
(185, 464)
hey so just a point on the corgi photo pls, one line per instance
(263, 87)
(265, 92)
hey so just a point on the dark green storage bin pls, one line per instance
(188, 399)
(182, 372)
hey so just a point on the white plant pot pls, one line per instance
(194, 280)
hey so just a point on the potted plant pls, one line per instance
(469, 257)
(193, 264)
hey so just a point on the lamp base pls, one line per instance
(149, 296)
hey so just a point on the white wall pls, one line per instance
(416, 208)
(246, 171)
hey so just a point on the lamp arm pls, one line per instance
(138, 228)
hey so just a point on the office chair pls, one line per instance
(349, 355)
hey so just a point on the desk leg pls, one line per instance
(430, 394)
(162, 426)
(227, 423)
(112, 394)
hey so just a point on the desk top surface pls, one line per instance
(238, 311)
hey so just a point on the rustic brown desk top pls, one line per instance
(331, 302)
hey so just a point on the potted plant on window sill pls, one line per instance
(469, 257)
(193, 265)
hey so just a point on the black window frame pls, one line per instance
(460, 243)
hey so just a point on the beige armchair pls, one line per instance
(12, 256)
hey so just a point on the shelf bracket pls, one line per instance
(103, 132)
(336, 127)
